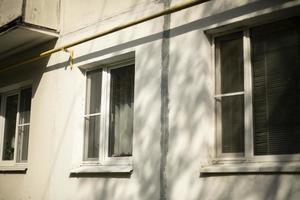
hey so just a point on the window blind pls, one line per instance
(276, 87)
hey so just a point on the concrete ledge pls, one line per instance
(252, 168)
(13, 169)
(102, 169)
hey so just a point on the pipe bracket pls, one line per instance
(71, 57)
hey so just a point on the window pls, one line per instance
(109, 114)
(15, 124)
(257, 93)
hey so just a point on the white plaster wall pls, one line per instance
(38, 12)
(58, 107)
(96, 11)
(43, 13)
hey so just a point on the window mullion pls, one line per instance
(214, 63)
(107, 114)
(248, 95)
(17, 145)
(2, 121)
(218, 113)
(104, 115)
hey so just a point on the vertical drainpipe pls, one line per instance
(164, 91)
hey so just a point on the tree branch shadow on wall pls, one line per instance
(191, 106)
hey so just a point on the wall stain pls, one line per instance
(164, 91)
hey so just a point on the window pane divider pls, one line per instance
(248, 96)
(229, 94)
(26, 124)
(91, 115)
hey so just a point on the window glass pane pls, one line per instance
(10, 127)
(230, 72)
(231, 109)
(25, 104)
(93, 91)
(121, 111)
(276, 87)
(23, 142)
(92, 123)
(91, 143)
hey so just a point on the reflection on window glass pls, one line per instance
(24, 124)
(10, 127)
(92, 130)
(231, 69)
(25, 105)
(232, 109)
(121, 111)
(230, 80)
(92, 117)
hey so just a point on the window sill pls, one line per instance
(282, 167)
(102, 169)
(13, 169)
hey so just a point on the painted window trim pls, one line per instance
(105, 164)
(102, 169)
(252, 167)
(12, 165)
(247, 161)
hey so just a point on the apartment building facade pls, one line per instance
(149, 99)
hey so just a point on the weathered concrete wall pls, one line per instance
(173, 134)
(10, 10)
(38, 12)
(43, 13)
(77, 15)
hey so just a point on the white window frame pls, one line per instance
(104, 159)
(218, 124)
(248, 155)
(16, 164)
